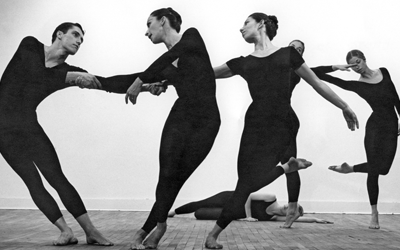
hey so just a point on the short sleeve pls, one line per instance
(296, 60)
(236, 65)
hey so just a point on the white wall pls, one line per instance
(109, 150)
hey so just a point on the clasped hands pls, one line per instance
(138, 86)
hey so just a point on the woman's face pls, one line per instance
(298, 46)
(250, 29)
(359, 64)
(154, 29)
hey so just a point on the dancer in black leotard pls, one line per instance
(293, 179)
(268, 129)
(258, 207)
(377, 88)
(35, 72)
(193, 122)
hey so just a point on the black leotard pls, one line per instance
(23, 143)
(381, 129)
(211, 208)
(268, 129)
(193, 122)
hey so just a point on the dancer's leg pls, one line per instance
(18, 147)
(47, 162)
(260, 151)
(199, 139)
(217, 200)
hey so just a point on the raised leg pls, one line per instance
(343, 169)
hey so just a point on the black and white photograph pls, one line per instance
(224, 124)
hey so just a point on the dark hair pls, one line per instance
(299, 41)
(271, 23)
(174, 18)
(355, 52)
(64, 27)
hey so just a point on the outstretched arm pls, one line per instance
(304, 219)
(309, 76)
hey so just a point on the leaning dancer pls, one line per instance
(35, 72)
(376, 87)
(268, 130)
(194, 120)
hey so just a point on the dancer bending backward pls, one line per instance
(193, 122)
(35, 72)
(375, 87)
(258, 207)
(268, 130)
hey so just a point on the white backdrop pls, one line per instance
(109, 150)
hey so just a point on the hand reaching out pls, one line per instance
(87, 81)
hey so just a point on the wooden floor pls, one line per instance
(29, 229)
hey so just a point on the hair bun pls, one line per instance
(175, 14)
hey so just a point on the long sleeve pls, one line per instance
(117, 84)
(322, 71)
(190, 41)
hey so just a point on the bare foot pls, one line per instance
(211, 243)
(154, 238)
(343, 169)
(66, 238)
(292, 214)
(138, 239)
(171, 213)
(296, 164)
(96, 238)
(374, 224)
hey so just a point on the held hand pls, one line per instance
(344, 67)
(250, 219)
(133, 91)
(157, 88)
(87, 81)
(351, 118)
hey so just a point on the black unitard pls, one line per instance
(268, 130)
(211, 208)
(381, 129)
(23, 143)
(193, 123)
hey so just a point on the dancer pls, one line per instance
(377, 89)
(194, 121)
(258, 207)
(268, 128)
(293, 182)
(35, 72)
